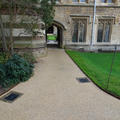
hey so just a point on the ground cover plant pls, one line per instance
(15, 70)
(97, 67)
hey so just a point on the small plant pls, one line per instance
(15, 70)
(4, 57)
(2, 72)
(29, 57)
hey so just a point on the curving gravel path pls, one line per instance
(54, 93)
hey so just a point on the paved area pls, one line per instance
(54, 93)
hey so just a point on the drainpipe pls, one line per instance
(93, 27)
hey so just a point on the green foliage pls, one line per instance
(2, 72)
(15, 70)
(97, 67)
(31, 12)
(47, 7)
(29, 57)
(3, 57)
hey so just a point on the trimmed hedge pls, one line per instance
(14, 71)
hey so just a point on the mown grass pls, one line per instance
(97, 67)
(51, 37)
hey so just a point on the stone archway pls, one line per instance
(59, 34)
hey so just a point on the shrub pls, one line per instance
(2, 72)
(29, 57)
(3, 57)
(17, 70)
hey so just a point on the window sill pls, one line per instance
(79, 3)
(78, 43)
(103, 43)
(105, 4)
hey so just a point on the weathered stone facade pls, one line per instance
(66, 11)
(75, 24)
(24, 41)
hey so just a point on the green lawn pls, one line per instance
(97, 67)
(51, 37)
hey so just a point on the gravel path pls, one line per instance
(54, 93)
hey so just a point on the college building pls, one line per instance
(78, 24)
(83, 24)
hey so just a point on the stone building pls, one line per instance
(80, 25)
(78, 29)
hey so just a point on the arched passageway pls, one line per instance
(55, 35)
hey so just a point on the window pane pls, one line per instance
(75, 0)
(103, 1)
(82, 0)
(107, 32)
(82, 33)
(110, 1)
(75, 33)
(100, 33)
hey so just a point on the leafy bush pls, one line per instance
(29, 57)
(16, 70)
(3, 57)
(2, 72)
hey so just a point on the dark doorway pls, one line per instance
(54, 36)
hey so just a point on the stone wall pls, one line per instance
(24, 39)
(66, 10)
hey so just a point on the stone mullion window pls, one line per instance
(79, 30)
(75, 31)
(108, 31)
(82, 31)
(86, 1)
(104, 30)
(108, 1)
(103, 38)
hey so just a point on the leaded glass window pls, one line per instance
(75, 33)
(80, 0)
(79, 30)
(82, 32)
(107, 1)
(104, 30)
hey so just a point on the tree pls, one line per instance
(32, 8)
(47, 7)
(2, 35)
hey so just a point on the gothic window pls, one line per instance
(80, 1)
(107, 1)
(75, 32)
(79, 30)
(55, 0)
(82, 32)
(75, 0)
(104, 30)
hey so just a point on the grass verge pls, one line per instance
(51, 37)
(97, 67)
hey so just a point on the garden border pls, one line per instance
(115, 96)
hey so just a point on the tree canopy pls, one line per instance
(43, 9)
